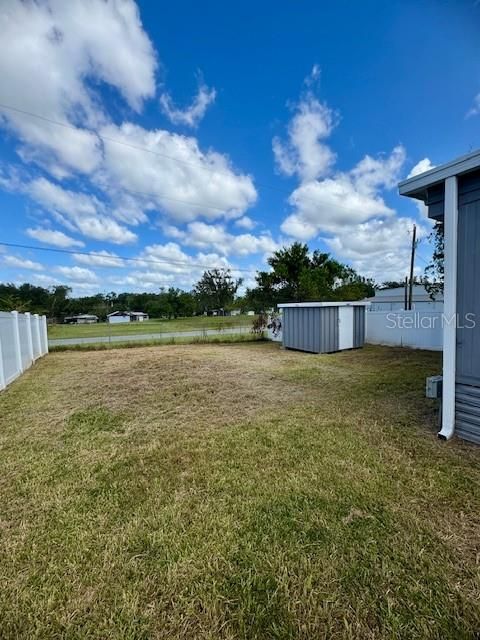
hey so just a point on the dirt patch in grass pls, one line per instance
(175, 387)
(234, 491)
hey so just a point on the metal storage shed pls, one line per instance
(452, 195)
(323, 327)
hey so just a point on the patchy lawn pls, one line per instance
(225, 338)
(234, 491)
(101, 329)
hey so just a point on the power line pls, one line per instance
(161, 155)
(121, 258)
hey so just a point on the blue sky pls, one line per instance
(202, 134)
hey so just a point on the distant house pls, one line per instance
(394, 299)
(126, 316)
(138, 316)
(83, 318)
(235, 312)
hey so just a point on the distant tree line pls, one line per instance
(295, 275)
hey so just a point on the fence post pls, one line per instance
(37, 333)
(45, 334)
(29, 336)
(16, 340)
(2, 372)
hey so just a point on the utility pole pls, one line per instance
(405, 304)
(412, 263)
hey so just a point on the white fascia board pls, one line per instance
(464, 164)
(297, 305)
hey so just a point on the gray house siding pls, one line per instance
(468, 191)
(467, 412)
(460, 181)
(467, 390)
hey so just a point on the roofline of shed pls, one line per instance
(294, 305)
(416, 184)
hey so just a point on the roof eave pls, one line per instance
(415, 186)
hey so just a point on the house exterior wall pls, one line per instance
(118, 319)
(452, 193)
(467, 377)
(393, 299)
(467, 352)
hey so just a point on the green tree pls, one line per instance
(434, 272)
(58, 300)
(296, 275)
(216, 289)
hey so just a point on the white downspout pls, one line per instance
(450, 308)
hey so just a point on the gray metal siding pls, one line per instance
(467, 412)
(468, 191)
(329, 329)
(467, 391)
(313, 329)
(468, 298)
(358, 327)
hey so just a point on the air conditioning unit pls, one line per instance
(433, 387)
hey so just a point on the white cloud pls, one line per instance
(345, 199)
(51, 50)
(22, 263)
(475, 109)
(245, 223)
(168, 265)
(79, 288)
(55, 56)
(53, 237)
(190, 116)
(78, 274)
(421, 167)
(206, 236)
(79, 211)
(378, 249)
(100, 259)
(305, 154)
(173, 174)
(348, 206)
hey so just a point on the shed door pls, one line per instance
(468, 294)
(345, 328)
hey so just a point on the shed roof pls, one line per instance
(396, 294)
(416, 186)
(82, 315)
(356, 303)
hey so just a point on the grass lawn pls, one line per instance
(229, 338)
(149, 326)
(234, 491)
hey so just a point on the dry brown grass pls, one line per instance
(238, 491)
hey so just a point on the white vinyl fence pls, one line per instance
(23, 339)
(414, 329)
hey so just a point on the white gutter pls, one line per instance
(450, 308)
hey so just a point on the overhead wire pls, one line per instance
(162, 155)
(122, 258)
